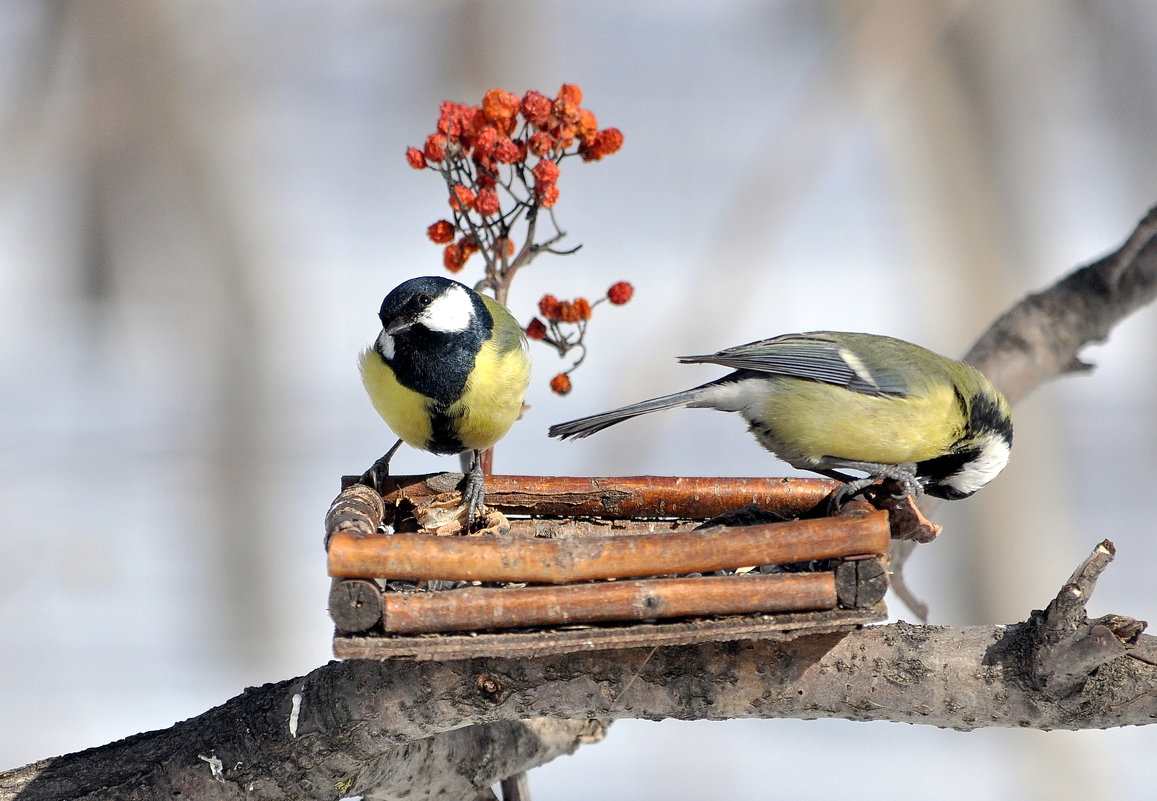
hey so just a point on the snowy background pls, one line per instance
(202, 204)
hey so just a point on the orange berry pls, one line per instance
(453, 259)
(450, 119)
(486, 203)
(571, 93)
(535, 108)
(547, 195)
(545, 172)
(564, 113)
(435, 147)
(620, 293)
(468, 244)
(560, 384)
(461, 198)
(550, 308)
(441, 232)
(416, 158)
(536, 329)
(540, 143)
(499, 105)
(485, 142)
(582, 308)
(609, 140)
(507, 151)
(473, 121)
(587, 128)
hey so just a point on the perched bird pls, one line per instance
(447, 373)
(828, 401)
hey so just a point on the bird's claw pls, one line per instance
(894, 488)
(375, 477)
(473, 490)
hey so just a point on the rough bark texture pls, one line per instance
(387, 729)
(244, 749)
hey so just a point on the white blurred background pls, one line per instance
(202, 204)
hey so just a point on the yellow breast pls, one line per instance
(490, 403)
(813, 418)
(493, 397)
(405, 411)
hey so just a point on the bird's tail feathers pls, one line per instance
(585, 426)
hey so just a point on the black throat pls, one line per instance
(434, 363)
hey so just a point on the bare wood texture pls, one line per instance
(481, 608)
(624, 496)
(545, 642)
(506, 558)
(561, 527)
(355, 604)
(1069, 647)
(357, 510)
(861, 582)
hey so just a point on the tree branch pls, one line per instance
(451, 729)
(1039, 338)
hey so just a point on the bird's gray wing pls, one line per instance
(818, 356)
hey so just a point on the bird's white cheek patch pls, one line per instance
(386, 345)
(987, 465)
(451, 311)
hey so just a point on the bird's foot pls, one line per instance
(375, 477)
(473, 489)
(847, 491)
(899, 481)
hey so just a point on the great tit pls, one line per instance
(447, 373)
(828, 401)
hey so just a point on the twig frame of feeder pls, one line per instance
(558, 561)
(621, 497)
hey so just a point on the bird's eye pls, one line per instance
(424, 299)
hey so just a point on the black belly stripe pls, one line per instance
(443, 434)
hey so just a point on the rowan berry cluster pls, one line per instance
(566, 326)
(500, 161)
(501, 164)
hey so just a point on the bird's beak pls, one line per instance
(397, 325)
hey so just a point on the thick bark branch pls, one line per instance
(245, 749)
(449, 729)
(1039, 338)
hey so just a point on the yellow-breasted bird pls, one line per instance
(828, 401)
(447, 373)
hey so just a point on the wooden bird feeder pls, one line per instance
(567, 564)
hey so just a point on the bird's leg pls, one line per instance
(473, 488)
(379, 471)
